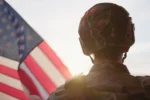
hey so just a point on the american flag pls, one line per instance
(28, 66)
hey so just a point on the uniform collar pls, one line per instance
(110, 66)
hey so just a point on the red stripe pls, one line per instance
(13, 92)
(26, 80)
(9, 72)
(40, 75)
(55, 60)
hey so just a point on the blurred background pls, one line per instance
(57, 22)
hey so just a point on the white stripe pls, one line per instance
(31, 97)
(9, 63)
(26, 91)
(47, 66)
(4, 96)
(41, 90)
(12, 82)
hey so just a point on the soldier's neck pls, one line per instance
(101, 60)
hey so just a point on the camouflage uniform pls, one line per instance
(105, 81)
(101, 27)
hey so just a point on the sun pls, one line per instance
(74, 70)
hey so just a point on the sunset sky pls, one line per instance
(57, 22)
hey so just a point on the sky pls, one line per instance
(57, 22)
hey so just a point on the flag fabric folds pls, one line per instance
(29, 68)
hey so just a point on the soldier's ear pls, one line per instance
(84, 49)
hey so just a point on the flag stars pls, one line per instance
(12, 34)
(8, 44)
(1, 3)
(29, 37)
(17, 40)
(1, 47)
(4, 37)
(22, 47)
(0, 13)
(1, 30)
(9, 17)
(3, 20)
(14, 51)
(8, 27)
(22, 38)
(5, 9)
(21, 55)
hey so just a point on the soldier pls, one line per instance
(106, 33)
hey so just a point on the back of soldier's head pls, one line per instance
(106, 27)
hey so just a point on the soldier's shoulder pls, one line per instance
(58, 93)
(64, 92)
(144, 79)
(145, 83)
